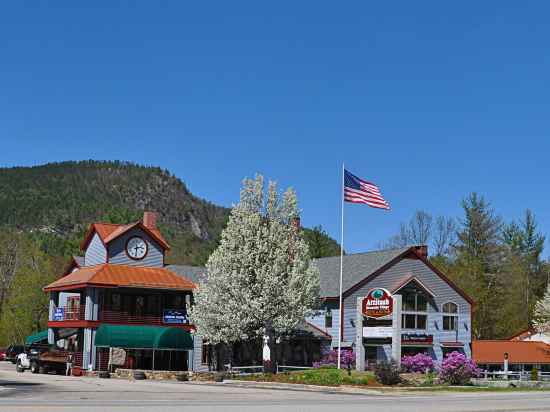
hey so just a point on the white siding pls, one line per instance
(117, 250)
(96, 253)
(197, 355)
(442, 291)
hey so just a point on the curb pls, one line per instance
(343, 390)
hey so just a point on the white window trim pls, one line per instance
(450, 314)
(416, 313)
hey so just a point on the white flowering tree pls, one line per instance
(541, 318)
(259, 282)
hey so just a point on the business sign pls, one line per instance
(416, 339)
(59, 314)
(378, 303)
(377, 331)
(178, 317)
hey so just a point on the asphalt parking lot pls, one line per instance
(28, 392)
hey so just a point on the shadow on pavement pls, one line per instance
(16, 383)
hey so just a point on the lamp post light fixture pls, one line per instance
(506, 365)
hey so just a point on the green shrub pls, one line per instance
(534, 374)
(387, 373)
(430, 379)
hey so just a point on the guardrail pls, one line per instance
(248, 370)
(244, 370)
(282, 368)
(514, 375)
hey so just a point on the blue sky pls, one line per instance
(430, 100)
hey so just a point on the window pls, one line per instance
(415, 308)
(328, 319)
(450, 316)
(115, 301)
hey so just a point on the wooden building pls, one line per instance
(120, 295)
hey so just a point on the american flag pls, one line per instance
(357, 190)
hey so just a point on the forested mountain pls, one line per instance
(56, 202)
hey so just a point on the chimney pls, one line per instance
(150, 220)
(296, 223)
(422, 251)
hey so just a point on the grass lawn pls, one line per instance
(321, 376)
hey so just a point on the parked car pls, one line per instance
(40, 359)
(2, 354)
(13, 351)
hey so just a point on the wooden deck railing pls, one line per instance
(122, 317)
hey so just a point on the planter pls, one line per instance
(218, 377)
(76, 371)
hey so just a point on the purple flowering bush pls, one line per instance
(420, 362)
(330, 359)
(457, 369)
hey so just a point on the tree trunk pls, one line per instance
(269, 355)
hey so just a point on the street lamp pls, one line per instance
(506, 365)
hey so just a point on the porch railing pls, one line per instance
(123, 317)
(513, 375)
(64, 313)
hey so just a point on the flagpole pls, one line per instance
(341, 271)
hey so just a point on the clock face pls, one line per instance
(136, 248)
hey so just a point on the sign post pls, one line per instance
(359, 347)
(378, 303)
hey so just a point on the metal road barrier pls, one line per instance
(282, 368)
(248, 370)
(514, 375)
(244, 370)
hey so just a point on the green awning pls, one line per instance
(37, 337)
(143, 337)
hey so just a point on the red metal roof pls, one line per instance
(492, 351)
(524, 334)
(106, 275)
(109, 231)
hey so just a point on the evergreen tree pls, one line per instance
(260, 281)
(480, 234)
(320, 243)
(525, 242)
(25, 310)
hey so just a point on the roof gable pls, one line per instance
(361, 268)
(108, 232)
(356, 267)
(407, 281)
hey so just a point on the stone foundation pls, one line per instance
(165, 375)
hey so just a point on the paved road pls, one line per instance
(27, 392)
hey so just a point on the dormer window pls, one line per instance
(450, 316)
